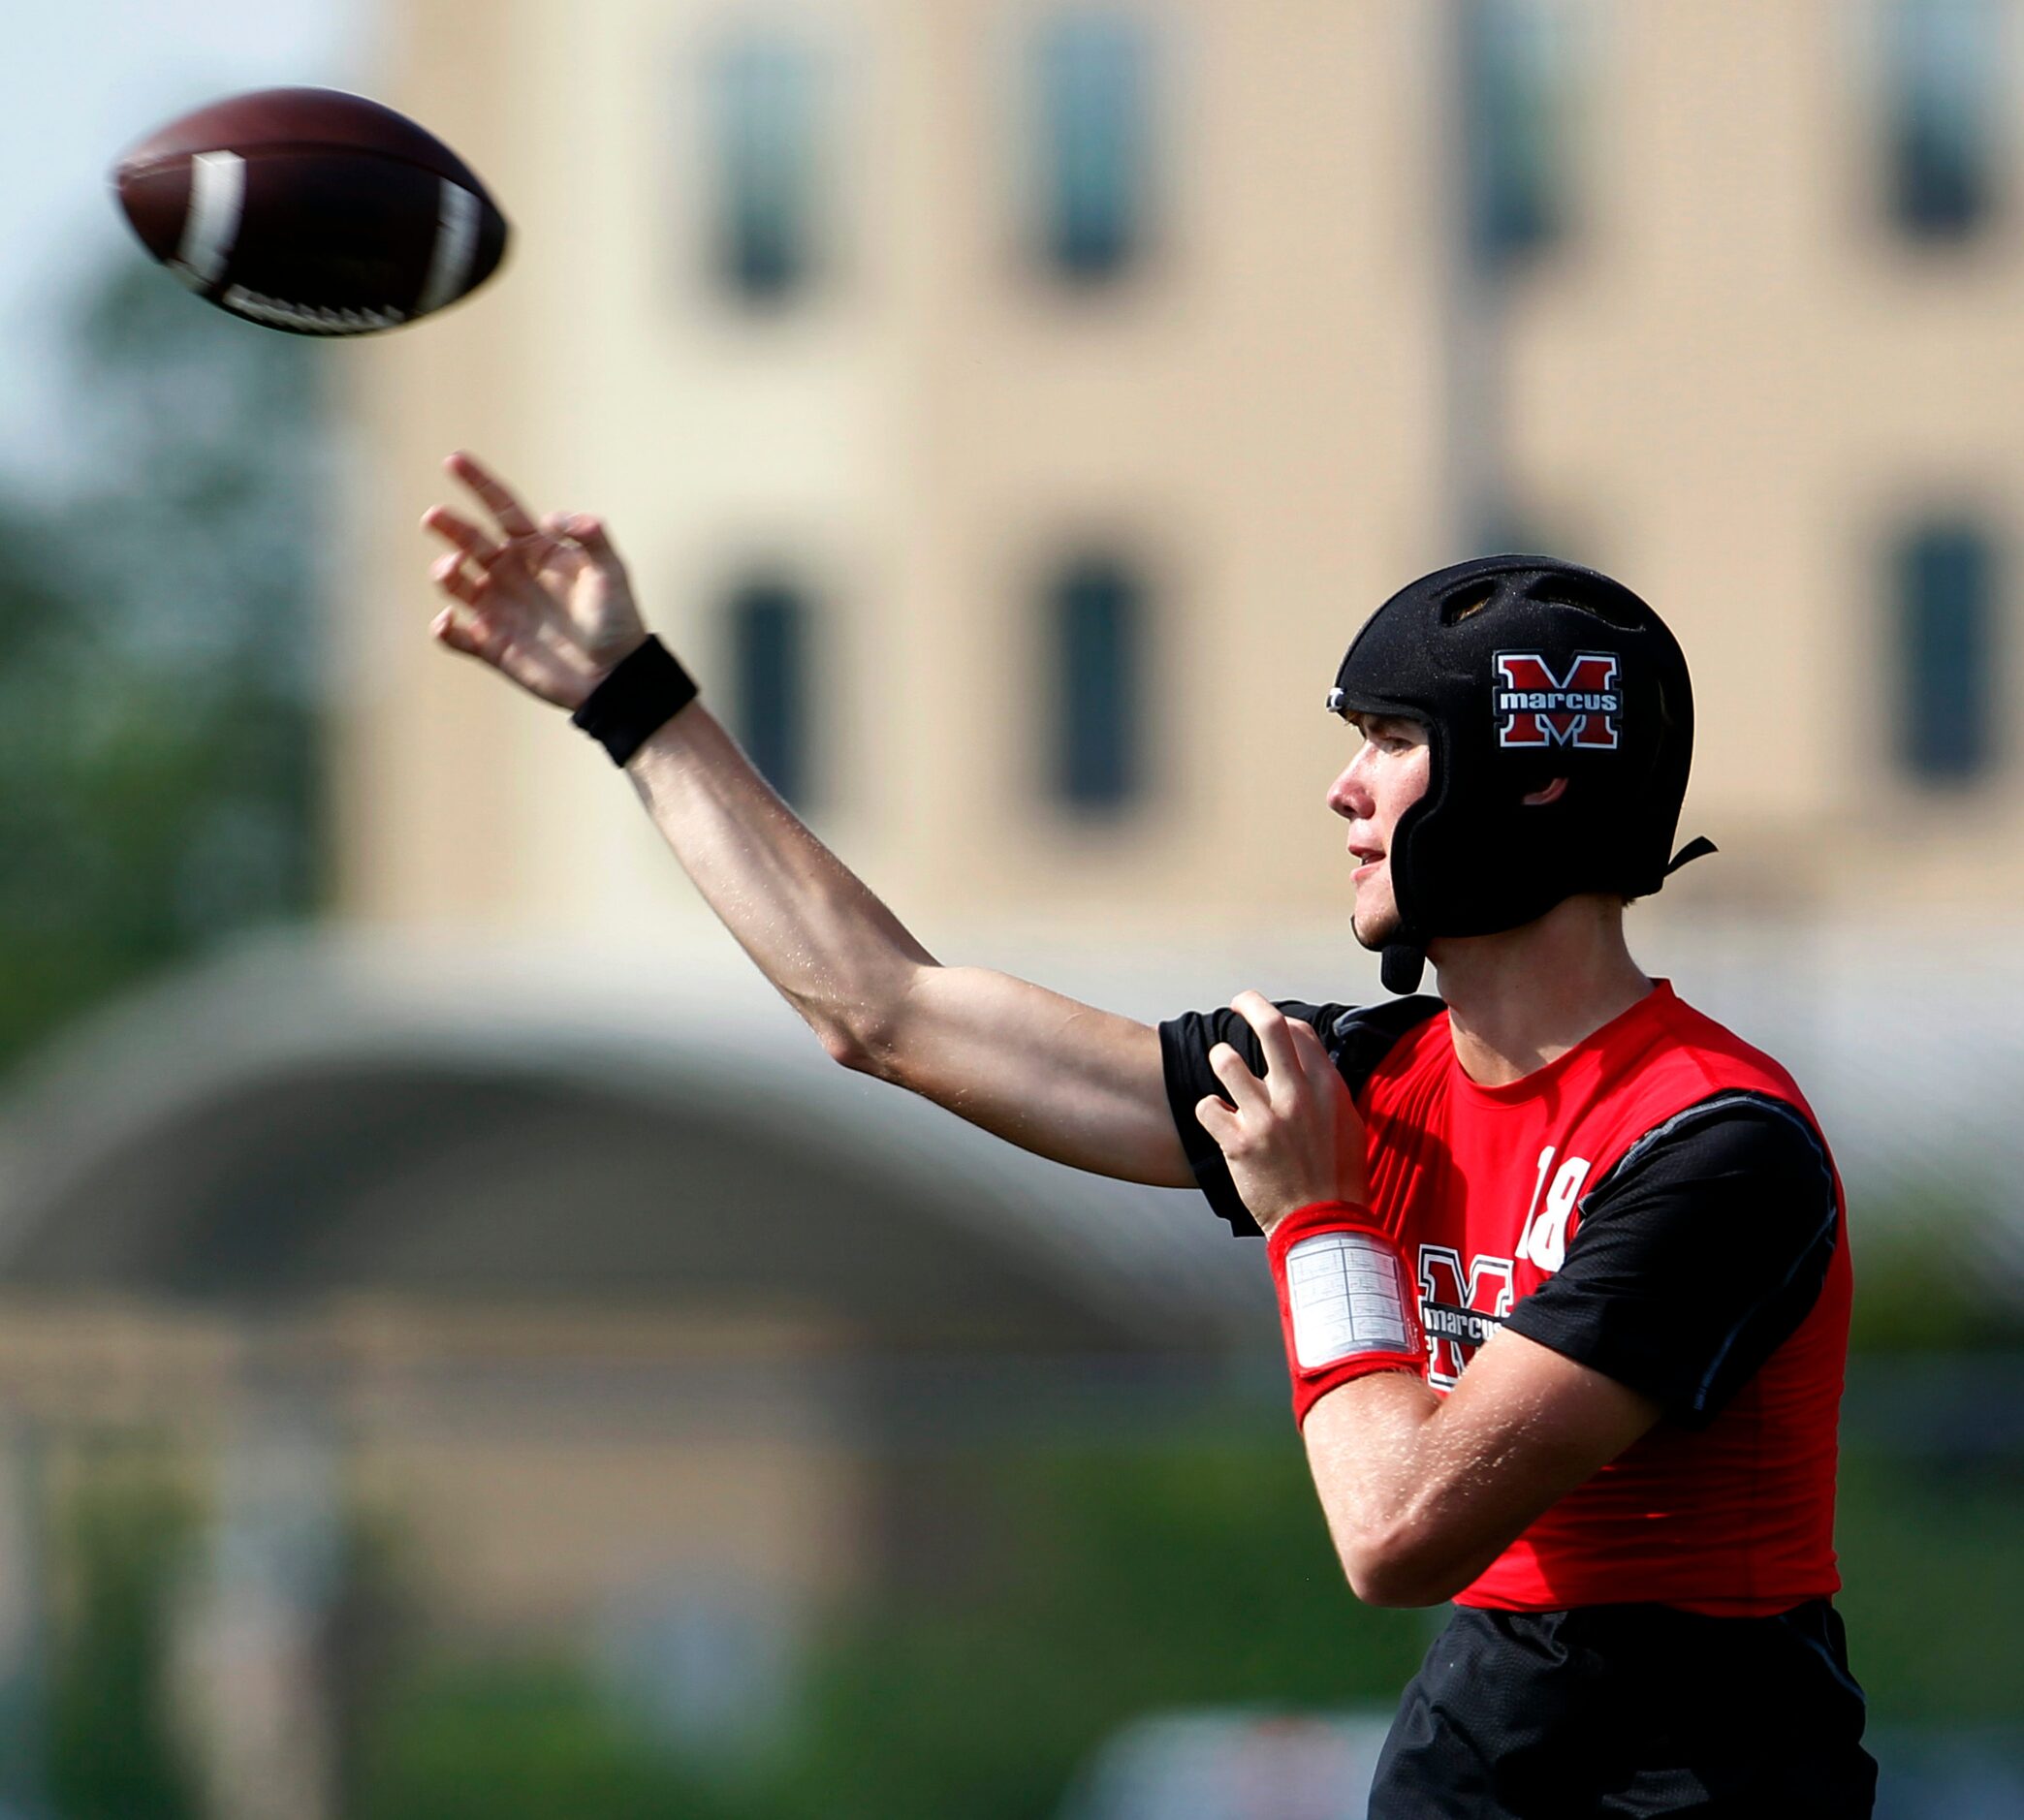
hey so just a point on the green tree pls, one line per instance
(112, 1752)
(158, 695)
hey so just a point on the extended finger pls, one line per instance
(454, 528)
(455, 628)
(1270, 1024)
(450, 575)
(500, 500)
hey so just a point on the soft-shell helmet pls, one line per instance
(1524, 670)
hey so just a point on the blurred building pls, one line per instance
(623, 1319)
(1010, 409)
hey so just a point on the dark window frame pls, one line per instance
(769, 636)
(1094, 125)
(1948, 652)
(1518, 114)
(1099, 641)
(1945, 77)
(765, 118)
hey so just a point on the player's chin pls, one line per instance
(1375, 925)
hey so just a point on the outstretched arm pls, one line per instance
(549, 606)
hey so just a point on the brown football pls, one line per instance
(313, 211)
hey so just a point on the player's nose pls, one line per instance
(1348, 797)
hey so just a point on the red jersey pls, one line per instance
(1657, 1204)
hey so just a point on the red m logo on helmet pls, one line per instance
(1534, 707)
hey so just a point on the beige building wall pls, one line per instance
(1730, 384)
(1738, 385)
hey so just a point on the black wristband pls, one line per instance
(644, 692)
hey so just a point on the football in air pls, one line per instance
(312, 211)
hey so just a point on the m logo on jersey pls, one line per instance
(1537, 708)
(1459, 1309)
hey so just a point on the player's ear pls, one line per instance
(1553, 792)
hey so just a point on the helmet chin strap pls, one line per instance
(1401, 965)
(1699, 848)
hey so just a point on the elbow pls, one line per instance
(863, 1037)
(1394, 1567)
(873, 1024)
(843, 1048)
(849, 1047)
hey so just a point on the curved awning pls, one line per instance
(324, 1116)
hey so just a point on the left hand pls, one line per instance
(1293, 1137)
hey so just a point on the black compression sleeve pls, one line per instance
(1697, 1256)
(1184, 1043)
(1356, 1038)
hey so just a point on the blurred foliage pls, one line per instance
(1077, 1590)
(1119, 1584)
(158, 706)
(1925, 1283)
(110, 1751)
(1112, 1583)
(127, 1569)
(518, 1741)
(1932, 1559)
(1132, 1580)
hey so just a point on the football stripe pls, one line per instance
(456, 241)
(212, 221)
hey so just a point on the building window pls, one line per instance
(1517, 72)
(1946, 657)
(1945, 88)
(761, 107)
(1097, 631)
(770, 684)
(1095, 143)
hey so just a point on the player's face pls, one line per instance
(1385, 779)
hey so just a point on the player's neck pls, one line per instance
(1518, 1000)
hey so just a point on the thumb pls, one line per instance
(589, 531)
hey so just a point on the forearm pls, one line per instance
(835, 952)
(1422, 1492)
(1388, 1492)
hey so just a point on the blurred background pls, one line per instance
(463, 1349)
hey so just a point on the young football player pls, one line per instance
(1561, 1263)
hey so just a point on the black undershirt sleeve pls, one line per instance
(1356, 1039)
(1697, 1256)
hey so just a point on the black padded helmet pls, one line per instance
(1524, 670)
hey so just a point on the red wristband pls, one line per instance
(1348, 1306)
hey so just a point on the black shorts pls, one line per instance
(1629, 1711)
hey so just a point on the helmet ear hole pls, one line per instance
(1552, 792)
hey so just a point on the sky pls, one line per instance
(86, 79)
